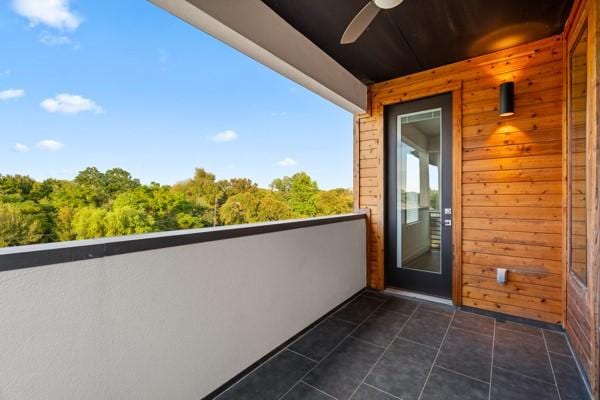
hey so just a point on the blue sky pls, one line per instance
(125, 84)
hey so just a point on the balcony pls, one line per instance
(265, 311)
(471, 270)
(167, 315)
(388, 347)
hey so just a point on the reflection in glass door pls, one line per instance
(418, 199)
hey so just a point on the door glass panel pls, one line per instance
(419, 199)
(577, 145)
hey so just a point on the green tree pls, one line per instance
(67, 194)
(187, 221)
(273, 209)
(90, 187)
(163, 206)
(96, 204)
(88, 223)
(241, 208)
(235, 186)
(44, 215)
(17, 227)
(299, 192)
(63, 226)
(336, 201)
(117, 180)
(99, 188)
(204, 191)
(15, 188)
(127, 220)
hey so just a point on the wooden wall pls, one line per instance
(581, 188)
(508, 181)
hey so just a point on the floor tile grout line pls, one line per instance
(554, 332)
(522, 333)
(436, 356)
(445, 314)
(551, 366)
(543, 337)
(343, 320)
(379, 390)
(329, 317)
(396, 338)
(492, 363)
(579, 368)
(302, 355)
(437, 312)
(368, 342)
(250, 372)
(420, 344)
(334, 348)
(524, 375)
(381, 306)
(342, 306)
(461, 374)
(316, 388)
(560, 354)
(400, 312)
(385, 351)
(470, 331)
(475, 314)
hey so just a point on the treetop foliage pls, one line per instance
(112, 203)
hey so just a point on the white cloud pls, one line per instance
(225, 136)
(5, 72)
(49, 39)
(11, 94)
(287, 162)
(53, 13)
(50, 145)
(21, 148)
(65, 103)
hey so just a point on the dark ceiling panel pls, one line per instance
(422, 34)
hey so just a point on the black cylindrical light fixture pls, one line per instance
(507, 99)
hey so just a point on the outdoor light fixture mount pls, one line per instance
(507, 99)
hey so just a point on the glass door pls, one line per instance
(418, 206)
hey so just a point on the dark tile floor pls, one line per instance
(383, 348)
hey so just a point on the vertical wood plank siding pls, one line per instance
(509, 178)
(581, 187)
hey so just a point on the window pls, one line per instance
(577, 146)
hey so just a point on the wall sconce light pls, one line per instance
(507, 99)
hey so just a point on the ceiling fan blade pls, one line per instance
(359, 23)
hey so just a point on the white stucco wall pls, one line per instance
(173, 323)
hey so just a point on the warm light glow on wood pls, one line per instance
(509, 36)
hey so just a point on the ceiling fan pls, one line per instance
(363, 19)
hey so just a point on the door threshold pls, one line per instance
(420, 296)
